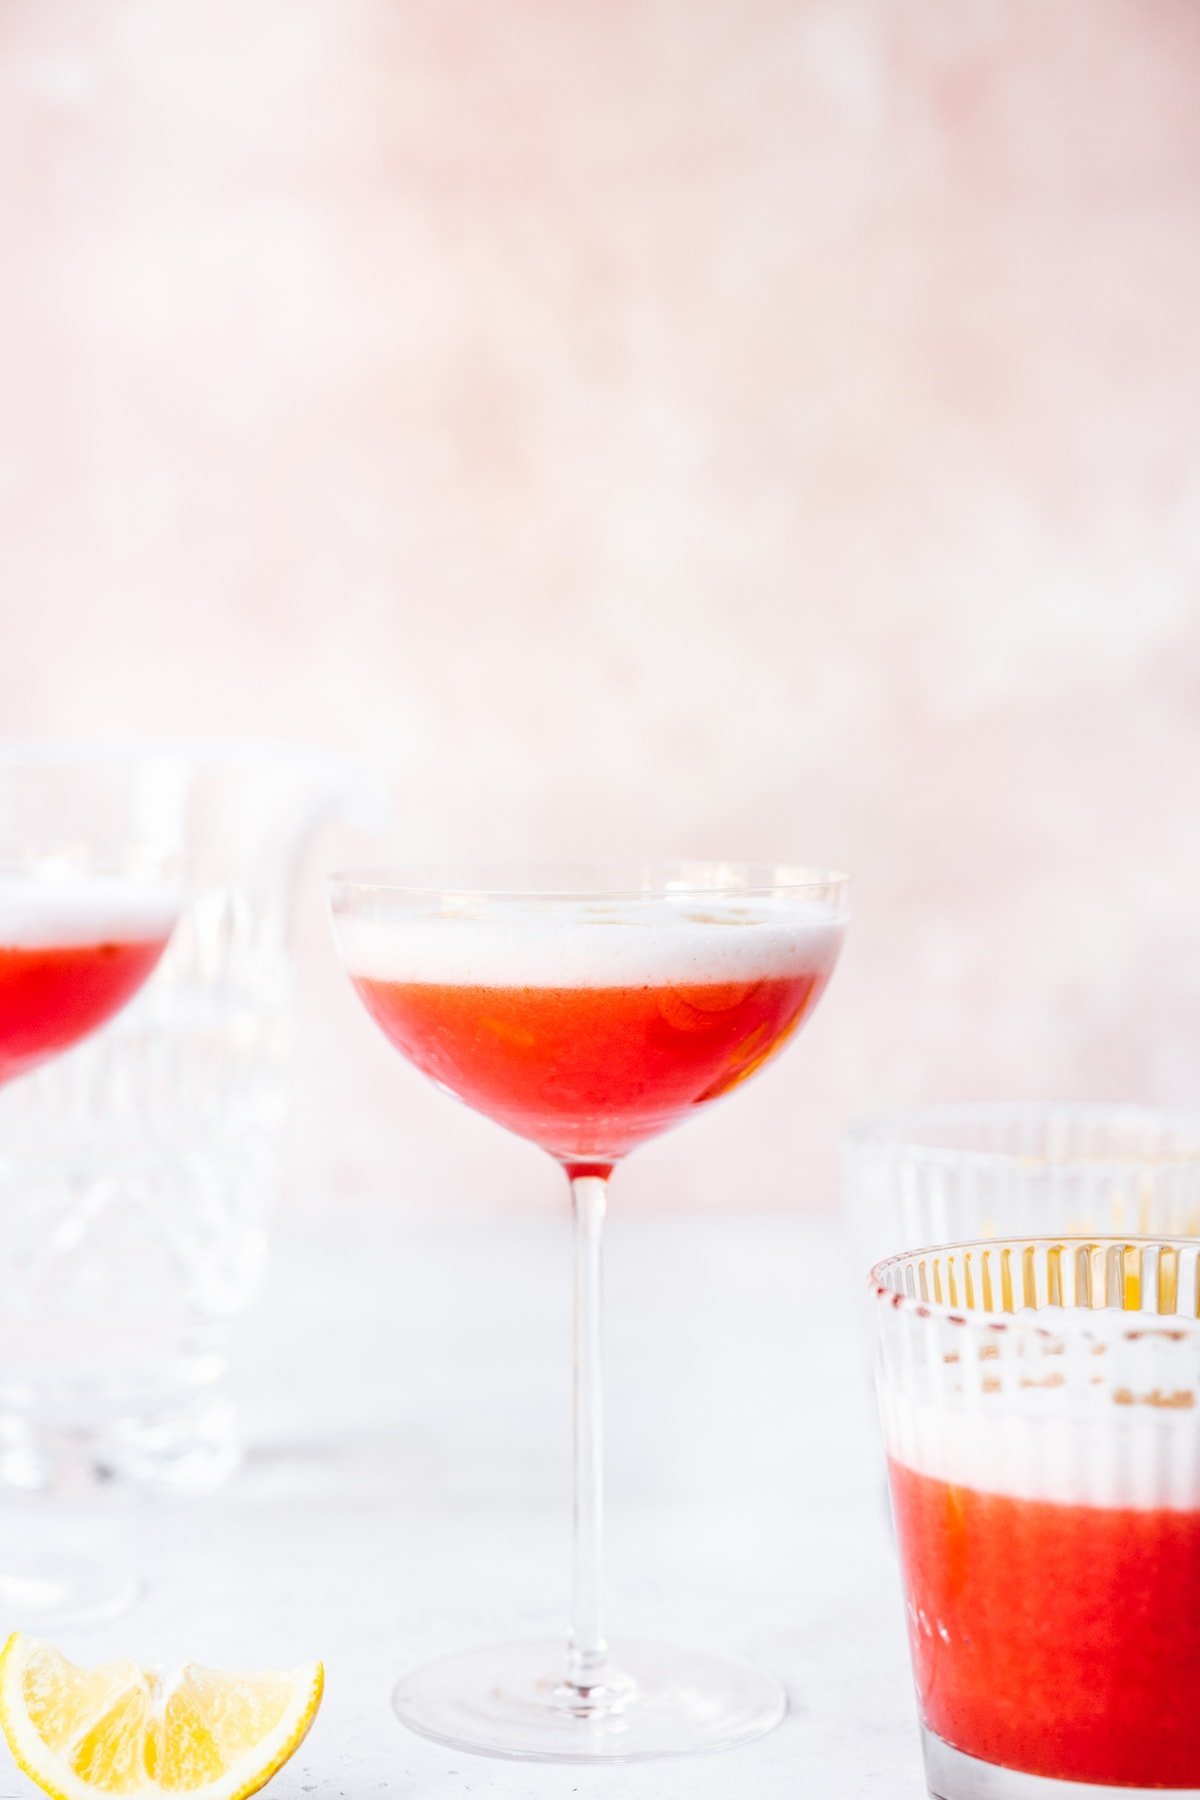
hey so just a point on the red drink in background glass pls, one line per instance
(71, 955)
(1055, 1639)
(52, 997)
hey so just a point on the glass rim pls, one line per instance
(1044, 1320)
(135, 865)
(549, 881)
(65, 753)
(895, 1133)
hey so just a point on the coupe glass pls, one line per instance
(139, 1175)
(589, 1010)
(79, 936)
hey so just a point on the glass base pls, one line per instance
(950, 1775)
(62, 1590)
(658, 1701)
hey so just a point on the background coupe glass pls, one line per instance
(77, 941)
(588, 1013)
(139, 1176)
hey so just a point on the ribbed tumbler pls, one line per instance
(943, 1174)
(1040, 1402)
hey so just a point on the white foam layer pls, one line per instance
(42, 912)
(1113, 1454)
(594, 944)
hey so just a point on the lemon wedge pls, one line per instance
(118, 1729)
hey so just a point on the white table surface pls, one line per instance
(405, 1390)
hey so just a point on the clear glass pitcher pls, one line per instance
(138, 1172)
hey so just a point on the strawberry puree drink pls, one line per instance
(72, 953)
(592, 1038)
(1047, 1514)
(591, 1071)
(1062, 1640)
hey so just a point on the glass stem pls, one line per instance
(587, 1652)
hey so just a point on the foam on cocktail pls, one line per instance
(594, 944)
(37, 912)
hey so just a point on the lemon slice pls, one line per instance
(118, 1729)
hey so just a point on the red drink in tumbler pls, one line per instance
(1055, 1638)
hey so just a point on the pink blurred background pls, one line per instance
(760, 429)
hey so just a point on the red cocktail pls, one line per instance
(52, 996)
(73, 951)
(76, 944)
(590, 1017)
(1062, 1640)
(590, 1072)
(1045, 1477)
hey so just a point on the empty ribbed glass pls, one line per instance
(1040, 1402)
(938, 1175)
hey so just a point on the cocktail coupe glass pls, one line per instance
(140, 1176)
(78, 939)
(1040, 1401)
(590, 1010)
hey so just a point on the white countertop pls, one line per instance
(405, 1387)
